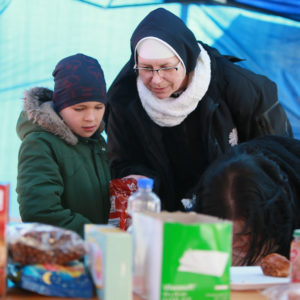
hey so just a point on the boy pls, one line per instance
(63, 173)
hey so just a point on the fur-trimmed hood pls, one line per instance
(38, 110)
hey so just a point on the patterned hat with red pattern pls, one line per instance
(78, 78)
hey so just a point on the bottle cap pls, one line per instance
(145, 183)
(296, 232)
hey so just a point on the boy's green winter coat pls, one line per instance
(63, 179)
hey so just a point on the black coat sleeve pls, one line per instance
(125, 144)
(254, 103)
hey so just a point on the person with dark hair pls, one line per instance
(178, 104)
(257, 186)
(63, 172)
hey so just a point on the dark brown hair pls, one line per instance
(251, 188)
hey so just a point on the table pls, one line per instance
(247, 295)
(18, 294)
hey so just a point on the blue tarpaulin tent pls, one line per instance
(285, 8)
(36, 34)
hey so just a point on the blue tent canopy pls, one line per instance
(286, 8)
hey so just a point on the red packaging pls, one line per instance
(120, 190)
(4, 200)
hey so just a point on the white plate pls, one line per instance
(252, 278)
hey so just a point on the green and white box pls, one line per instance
(109, 260)
(181, 256)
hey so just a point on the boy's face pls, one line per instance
(84, 118)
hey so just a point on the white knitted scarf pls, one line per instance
(170, 112)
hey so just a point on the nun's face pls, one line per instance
(162, 77)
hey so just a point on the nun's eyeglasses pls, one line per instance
(162, 72)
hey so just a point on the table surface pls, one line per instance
(17, 294)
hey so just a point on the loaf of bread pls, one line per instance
(34, 243)
(275, 265)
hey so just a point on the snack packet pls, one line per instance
(53, 280)
(36, 243)
(120, 190)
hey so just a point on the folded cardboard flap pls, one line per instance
(185, 217)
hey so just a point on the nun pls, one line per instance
(178, 104)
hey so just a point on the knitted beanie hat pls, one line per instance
(78, 78)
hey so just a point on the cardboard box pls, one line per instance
(180, 256)
(4, 201)
(110, 261)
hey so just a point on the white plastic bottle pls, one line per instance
(144, 199)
